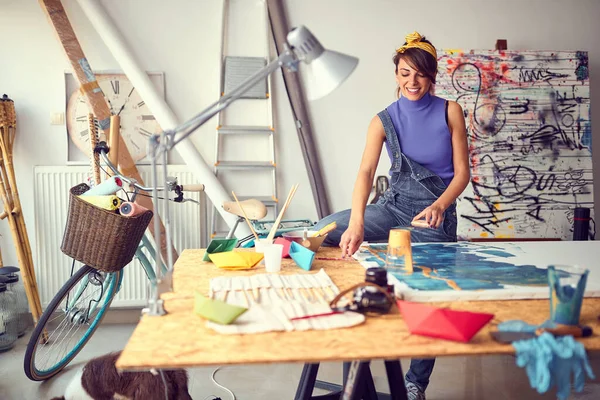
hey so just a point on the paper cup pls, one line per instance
(273, 254)
(260, 244)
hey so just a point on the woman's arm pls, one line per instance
(434, 214)
(353, 237)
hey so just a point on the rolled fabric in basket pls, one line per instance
(110, 186)
(129, 209)
(107, 202)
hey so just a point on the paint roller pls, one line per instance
(110, 186)
(129, 209)
(110, 203)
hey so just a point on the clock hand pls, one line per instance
(109, 104)
(125, 102)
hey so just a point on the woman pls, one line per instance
(426, 140)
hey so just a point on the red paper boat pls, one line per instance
(442, 323)
(286, 246)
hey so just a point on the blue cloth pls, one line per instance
(412, 189)
(550, 361)
(422, 130)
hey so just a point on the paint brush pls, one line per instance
(245, 216)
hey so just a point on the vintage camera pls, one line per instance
(371, 299)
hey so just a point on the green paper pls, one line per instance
(219, 246)
(216, 310)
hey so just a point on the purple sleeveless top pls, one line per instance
(423, 133)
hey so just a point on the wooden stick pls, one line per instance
(113, 140)
(280, 216)
(245, 216)
(82, 72)
(7, 141)
(94, 157)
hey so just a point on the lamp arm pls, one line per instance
(285, 59)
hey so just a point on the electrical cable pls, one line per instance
(219, 385)
(164, 383)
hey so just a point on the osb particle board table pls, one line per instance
(181, 339)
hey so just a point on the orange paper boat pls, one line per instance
(442, 323)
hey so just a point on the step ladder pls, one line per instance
(249, 119)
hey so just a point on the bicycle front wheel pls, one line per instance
(69, 321)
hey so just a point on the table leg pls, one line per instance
(307, 382)
(395, 376)
(368, 385)
(355, 386)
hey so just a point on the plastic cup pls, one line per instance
(399, 251)
(567, 287)
(273, 254)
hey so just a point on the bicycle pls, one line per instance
(78, 308)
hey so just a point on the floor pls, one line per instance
(490, 377)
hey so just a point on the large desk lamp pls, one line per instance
(325, 70)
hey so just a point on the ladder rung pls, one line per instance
(245, 130)
(244, 164)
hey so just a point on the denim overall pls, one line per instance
(412, 189)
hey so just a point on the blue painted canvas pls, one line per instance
(464, 270)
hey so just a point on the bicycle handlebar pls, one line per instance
(103, 149)
(193, 188)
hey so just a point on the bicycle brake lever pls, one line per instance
(192, 200)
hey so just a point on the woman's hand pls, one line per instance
(434, 215)
(351, 239)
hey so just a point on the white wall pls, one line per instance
(182, 39)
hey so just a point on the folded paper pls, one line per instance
(236, 259)
(216, 310)
(302, 256)
(286, 246)
(219, 246)
(442, 323)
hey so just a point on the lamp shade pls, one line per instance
(327, 72)
(325, 69)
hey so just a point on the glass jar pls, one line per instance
(11, 278)
(8, 318)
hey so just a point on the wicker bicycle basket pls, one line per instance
(101, 238)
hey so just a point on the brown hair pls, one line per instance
(418, 59)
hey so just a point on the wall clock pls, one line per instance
(137, 122)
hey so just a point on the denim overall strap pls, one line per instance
(392, 139)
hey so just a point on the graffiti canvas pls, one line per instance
(528, 124)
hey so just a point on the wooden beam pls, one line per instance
(95, 99)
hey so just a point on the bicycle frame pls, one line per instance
(147, 265)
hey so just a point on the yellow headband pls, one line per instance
(413, 41)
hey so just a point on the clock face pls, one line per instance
(137, 123)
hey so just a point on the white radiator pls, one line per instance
(53, 268)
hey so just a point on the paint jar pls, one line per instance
(273, 253)
(567, 287)
(399, 251)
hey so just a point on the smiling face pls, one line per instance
(412, 83)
